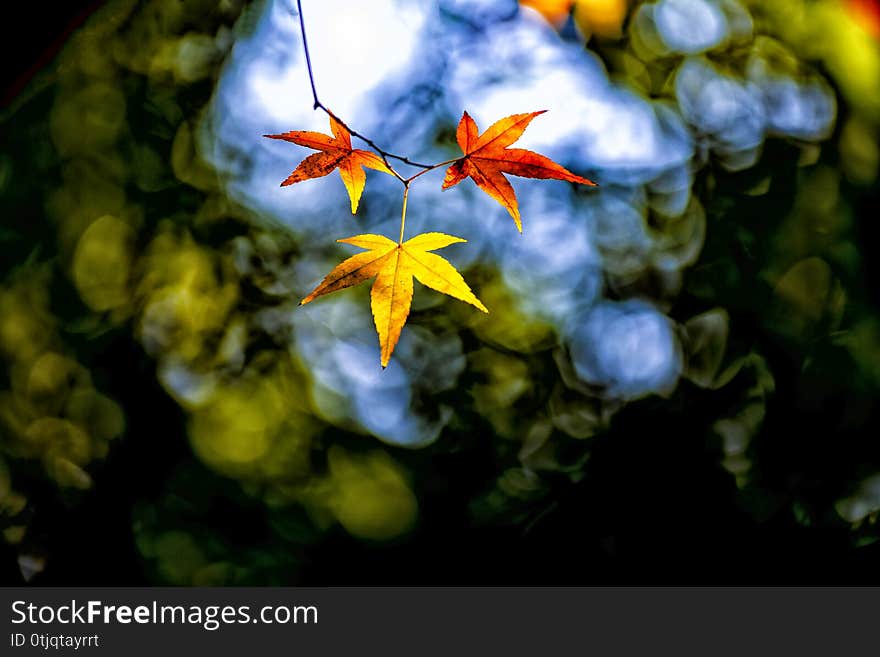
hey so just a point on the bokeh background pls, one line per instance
(679, 377)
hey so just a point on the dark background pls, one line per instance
(648, 511)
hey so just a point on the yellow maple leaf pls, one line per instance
(394, 265)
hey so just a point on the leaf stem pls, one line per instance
(430, 168)
(403, 212)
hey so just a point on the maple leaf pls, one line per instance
(487, 158)
(336, 152)
(394, 266)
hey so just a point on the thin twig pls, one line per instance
(302, 29)
(385, 155)
(317, 104)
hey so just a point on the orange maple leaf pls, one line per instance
(487, 158)
(394, 265)
(336, 152)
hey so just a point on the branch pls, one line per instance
(317, 104)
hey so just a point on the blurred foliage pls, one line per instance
(119, 231)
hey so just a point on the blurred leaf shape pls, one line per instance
(705, 341)
(336, 152)
(555, 11)
(860, 155)
(370, 497)
(26, 324)
(51, 378)
(394, 265)
(863, 503)
(866, 14)
(187, 162)
(66, 447)
(487, 158)
(87, 118)
(848, 50)
(736, 431)
(601, 17)
(679, 238)
(187, 291)
(102, 264)
(574, 411)
(253, 427)
(505, 379)
(863, 343)
(809, 300)
(509, 327)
